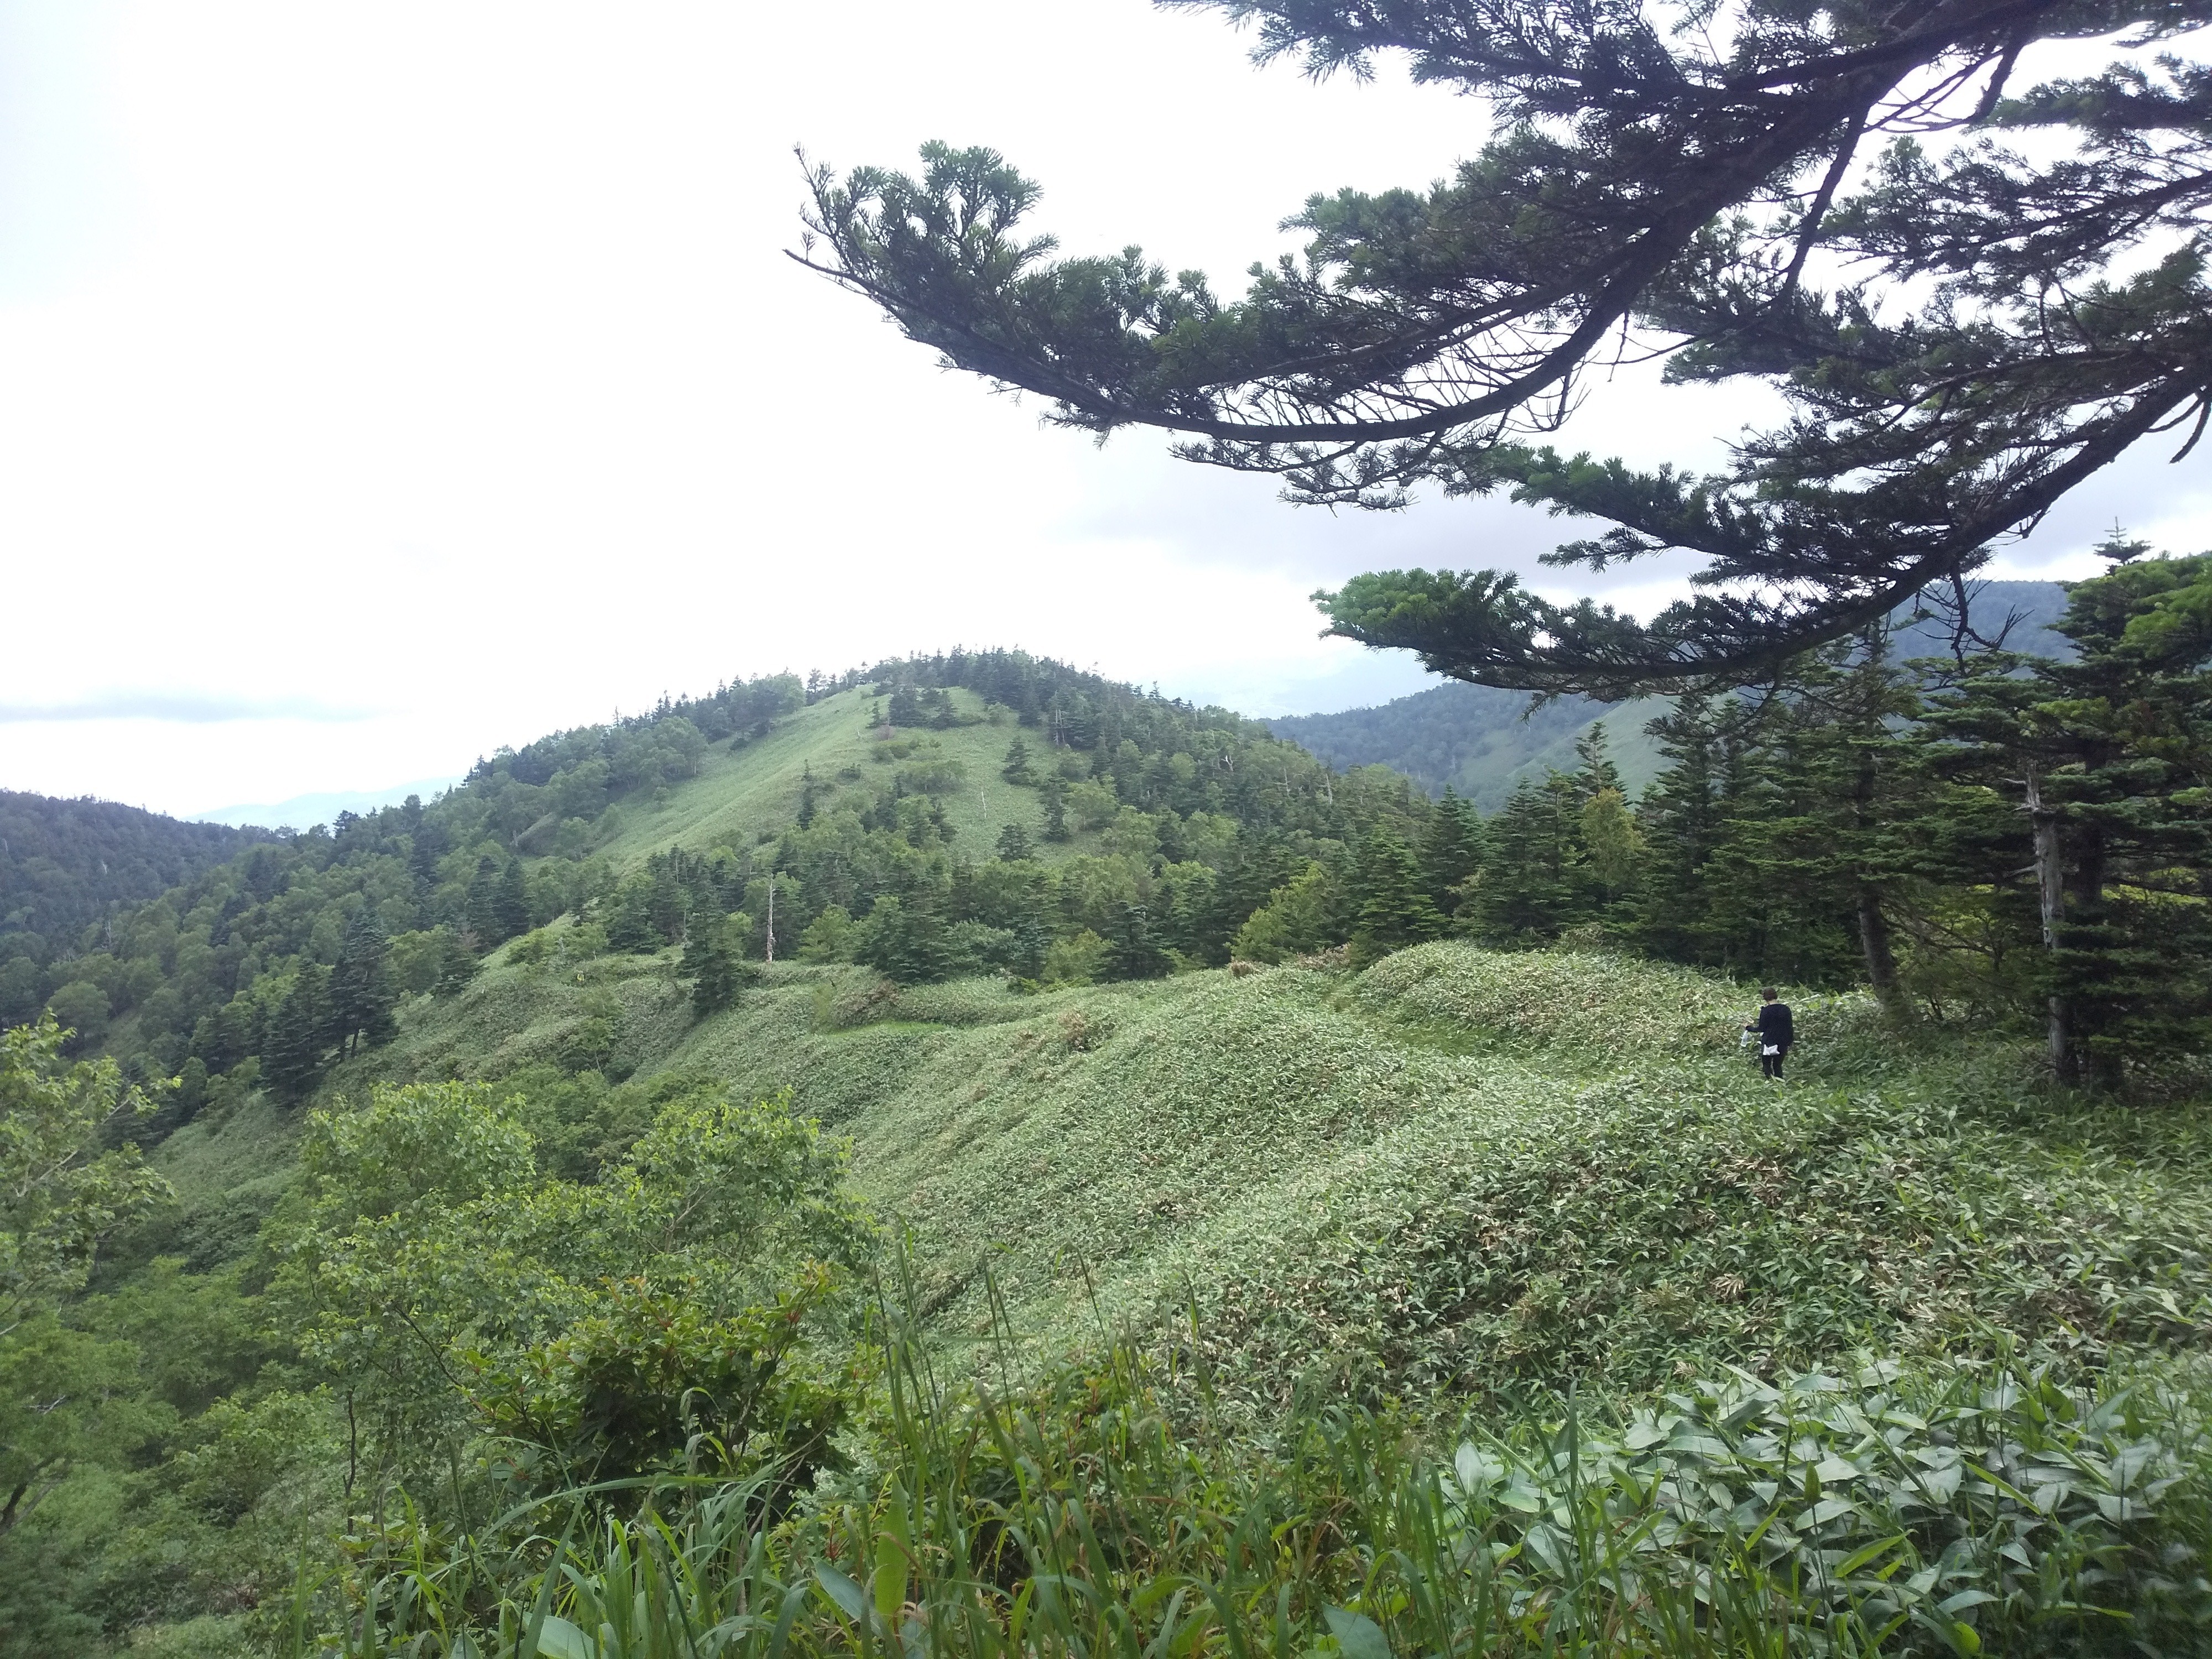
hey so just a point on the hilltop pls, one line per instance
(738, 796)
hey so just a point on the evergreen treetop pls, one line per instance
(1972, 292)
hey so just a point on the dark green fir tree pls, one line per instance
(2107, 760)
(1055, 811)
(360, 990)
(1451, 850)
(1395, 908)
(512, 908)
(712, 965)
(298, 1035)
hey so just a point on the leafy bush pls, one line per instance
(938, 775)
(1894, 1505)
(1298, 917)
(1957, 1511)
(1076, 961)
(446, 1288)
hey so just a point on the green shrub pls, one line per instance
(1958, 1511)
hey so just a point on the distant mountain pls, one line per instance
(303, 812)
(66, 864)
(1482, 742)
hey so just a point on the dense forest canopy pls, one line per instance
(1482, 740)
(64, 864)
(1970, 287)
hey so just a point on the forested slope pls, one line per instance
(1478, 740)
(70, 865)
(963, 812)
(1484, 741)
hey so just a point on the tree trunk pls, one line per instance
(2050, 900)
(1874, 926)
(1881, 959)
(2100, 1066)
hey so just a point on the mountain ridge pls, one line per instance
(1481, 741)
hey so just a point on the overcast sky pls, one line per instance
(379, 384)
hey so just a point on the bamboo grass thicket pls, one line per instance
(1987, 1507)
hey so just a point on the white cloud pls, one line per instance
(439, 363)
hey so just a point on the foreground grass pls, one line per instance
(1964, 1509)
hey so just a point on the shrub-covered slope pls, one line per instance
(1459, 1170)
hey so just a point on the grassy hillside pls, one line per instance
(1459, 1170)
(752, 792)
(1450, 1187)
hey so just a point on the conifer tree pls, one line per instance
(1055, 811)
(1394, 906)
(425, 843)
(2107, 760)
(1531, 880)
(903, 940)
(711, 963)
(1967, 287)
(360, 991)
(511, 908)
(1016, 768)
(1595, 771)
(1683, 819)
(1014, 844)
(1133, 953)
(483, 907)
(1451, 850)
(298, 1035)
(1873, 792)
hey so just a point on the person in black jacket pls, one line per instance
(1776, 1031)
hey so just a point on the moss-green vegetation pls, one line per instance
(1978, 1509)
(1459, 1169)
